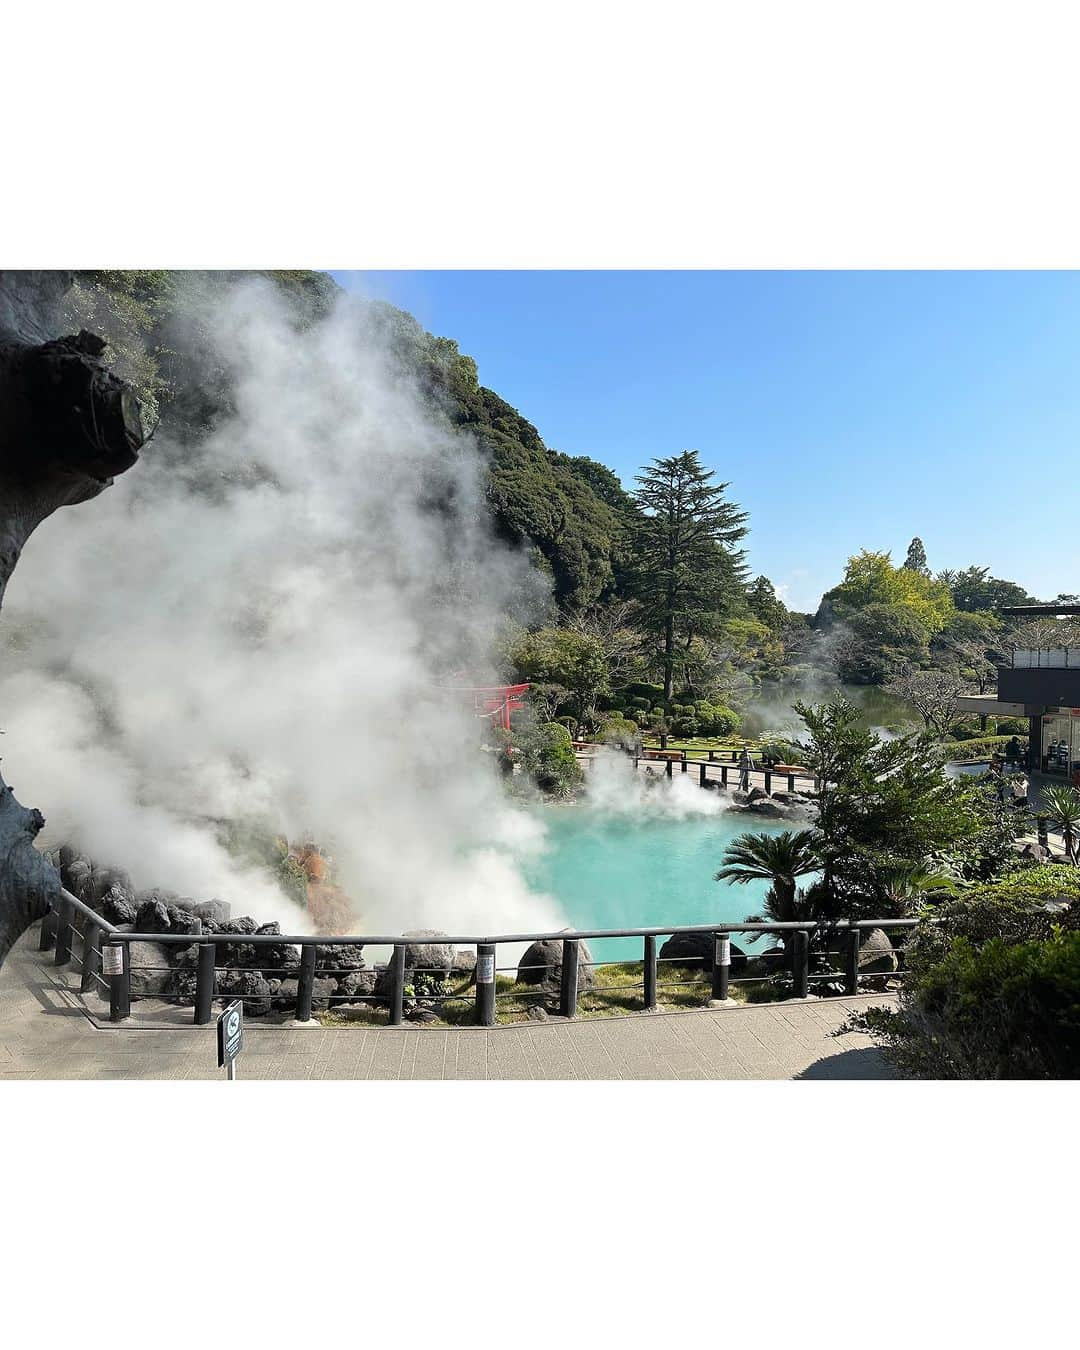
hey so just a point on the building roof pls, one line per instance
(1040, 611)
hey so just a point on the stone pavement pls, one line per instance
(46, 1034)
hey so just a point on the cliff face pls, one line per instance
(67, 427)
(572, 512)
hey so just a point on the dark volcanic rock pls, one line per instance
(249, 985)
(284, 996)
(542, 965)
(213, 911)
(698, 950)
(331, 957)
(155, 916)
(151, 969)
(356, 987)
(118, 905)
(322, 993)
(433, 956)
(274, 957)
(876, 952)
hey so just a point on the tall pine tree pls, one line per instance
(687, 570)
(916, 558)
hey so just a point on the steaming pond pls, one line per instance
(627, 871)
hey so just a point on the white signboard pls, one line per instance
(485, 970)
(723, 951)
(112, 959)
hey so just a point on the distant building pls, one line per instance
(1043, 685)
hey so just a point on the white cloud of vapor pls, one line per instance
(258, 627)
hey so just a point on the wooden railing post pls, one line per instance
(204, 984)
(768, 781)
(485, 984)
(118, 963)
(701, 773)
(91, 962)
(47, 936)
(669, 768)
(568, 994)
(723, 775)
(648, 971)
(397, 985)
(305, 984)
(791, 782)
(64, 915)
(721, 965)
(851, 962)
(800, 964)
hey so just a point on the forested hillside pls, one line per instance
(656, 624)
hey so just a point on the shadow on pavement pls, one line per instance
(862, 1063)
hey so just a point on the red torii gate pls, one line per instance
(498, 702)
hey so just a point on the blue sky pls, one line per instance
(848, 410)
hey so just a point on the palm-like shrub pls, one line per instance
(1061, 805)
(779, 859)
(902, 886)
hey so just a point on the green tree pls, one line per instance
(547, 755)
(686, 570)
(573, 659)
(974, 589)
(884, 803)
(879, 641)
(779, 859)
(916, 558)
(1061, 805)
(871, 579)
(765, 604)
(900, 888)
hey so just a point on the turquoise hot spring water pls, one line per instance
(635, 856)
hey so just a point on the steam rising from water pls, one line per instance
(257, 628)
(615, 788)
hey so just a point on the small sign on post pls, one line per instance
(112, 959)
(230, 1036)
(723, 950)
(485, 969)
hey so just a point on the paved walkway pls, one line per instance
(46, 1034)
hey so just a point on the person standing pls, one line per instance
(745, 765)
(1020, 791)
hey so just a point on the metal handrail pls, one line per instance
(800, 933)
(455, 940)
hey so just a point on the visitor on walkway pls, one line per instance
(1012, 751)
(1020, 791)
(745, 765)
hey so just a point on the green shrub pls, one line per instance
(994, 983)
(981, 747)
(716, 720)
(547, 753)
(1012, 726)
(1013, 909)
(651, 693)
(1002, 1010)
(619, 731)
(642, 704)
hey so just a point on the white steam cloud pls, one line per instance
(262, 627)
(613, 787)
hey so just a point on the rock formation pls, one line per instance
(67, 428)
